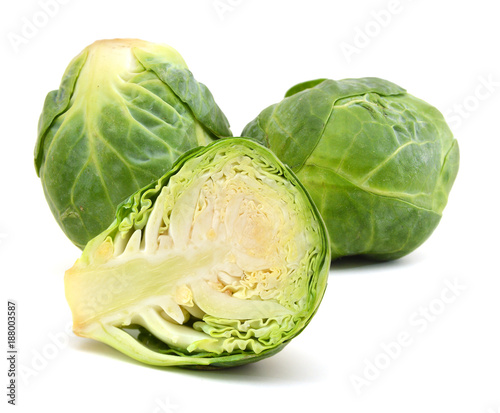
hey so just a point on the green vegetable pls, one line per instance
(378, 162)
(125, 110)
(221, 262)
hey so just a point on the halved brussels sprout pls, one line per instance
(125, 110)
(221, 262)
(378, 162)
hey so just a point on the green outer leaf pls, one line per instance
(207, 363)
(378, 162)
(282, 127)
(134, 213)
(365, 223)
(106, 133)
(147, 354)
(195, 94)
(303, 86)
(56, 102)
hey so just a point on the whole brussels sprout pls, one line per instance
(221, 262)
(125, 110)
(378, 162)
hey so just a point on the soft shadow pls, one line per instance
(343, 265)
(288, 366)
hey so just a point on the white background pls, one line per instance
(249, 53)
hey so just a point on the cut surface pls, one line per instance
(222, 257)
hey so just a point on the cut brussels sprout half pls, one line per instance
(126, 109)
(378, 162)
(221, 262)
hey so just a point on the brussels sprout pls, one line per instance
(378, 162)
(125, 110)
(221, 262)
